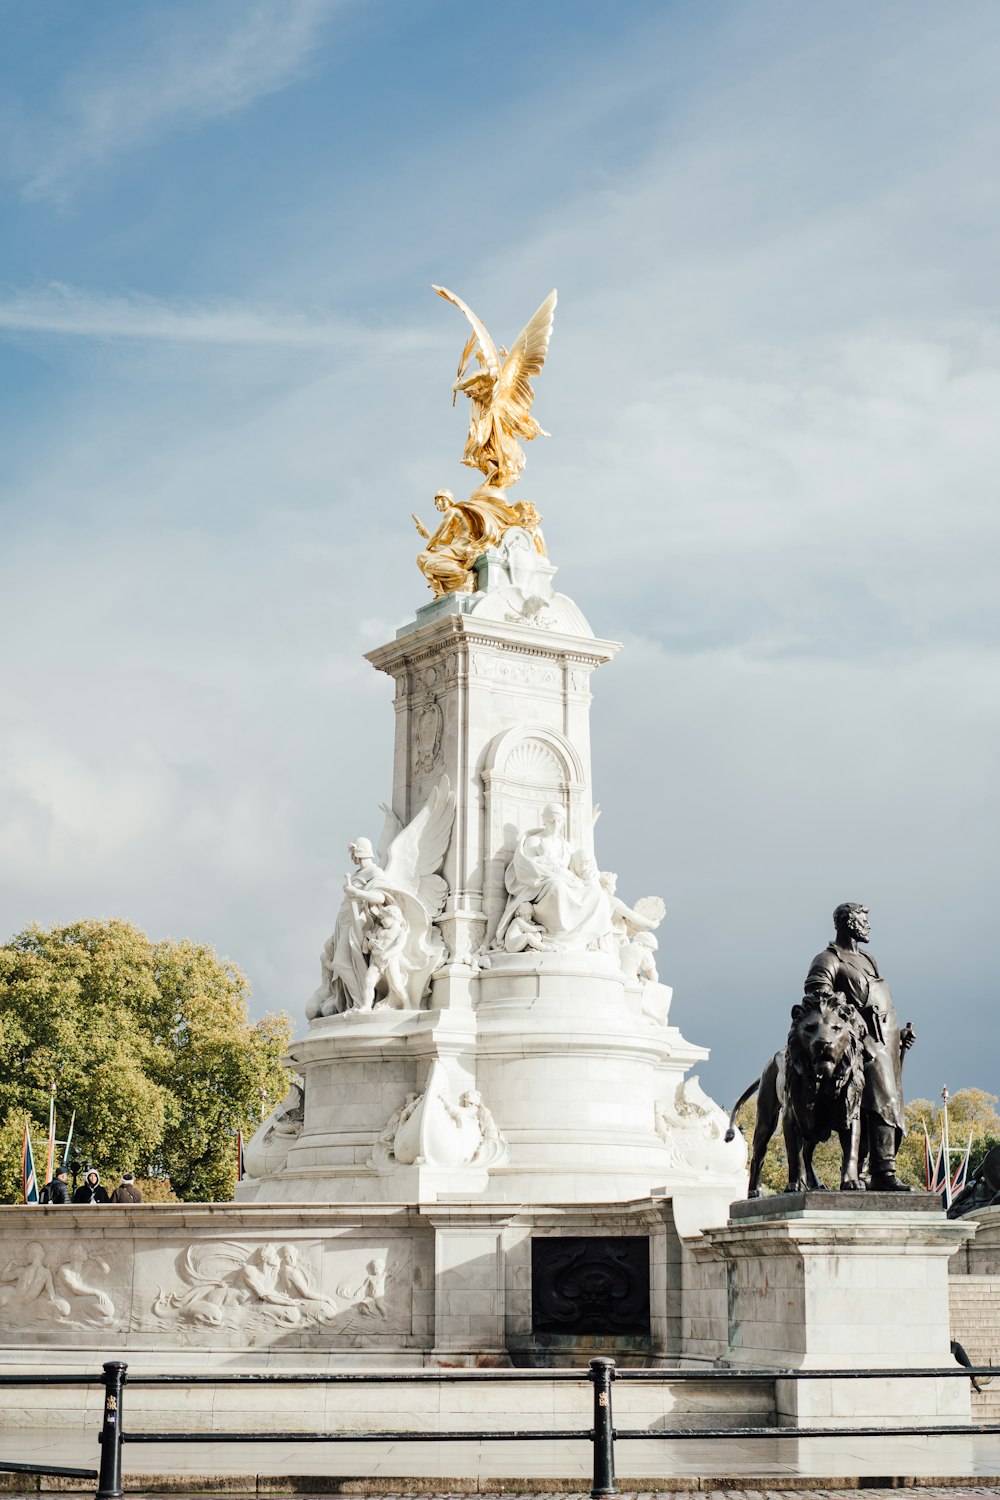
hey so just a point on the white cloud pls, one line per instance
(69, 311)
(180, 68)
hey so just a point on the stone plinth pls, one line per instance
(817, 1282)
(982, 1254)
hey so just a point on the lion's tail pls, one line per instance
(731, 1132)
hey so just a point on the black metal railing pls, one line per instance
(602, 1433)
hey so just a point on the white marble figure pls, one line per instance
(693, 1128)
(385, 923)
(266, 1150)
(385, 944)
(492, 1148)
(632, 941)
(524, 933)
(88, 1304)
(429, 1130)
(383, 1157)
(561, 885)
(368, 1296)
(27, 1290)
(234, 1287)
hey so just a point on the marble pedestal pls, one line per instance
(817, 1282)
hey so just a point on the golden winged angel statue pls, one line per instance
(500, 392)
(501, 397)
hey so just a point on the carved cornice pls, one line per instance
(457, 635)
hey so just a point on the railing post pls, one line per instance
(602, 1373)
(109, 1483)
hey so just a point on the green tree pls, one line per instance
(970, 1112)
(150, 1043)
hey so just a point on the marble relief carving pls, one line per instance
(385, 947)
(428, 727)
(232, 1286)
(56, 1286)
(693, 1128)
(266, 1151)
(430, 1130)
(515, 671)
(262, 1291)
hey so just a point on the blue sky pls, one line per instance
(773, 391)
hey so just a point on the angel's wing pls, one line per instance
(486, 344)
(390, 828)
(416, 852)
(526, 358)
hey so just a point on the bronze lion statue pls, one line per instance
(815, 1086)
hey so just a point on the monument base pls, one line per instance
(818, 1281)
(303, 1286)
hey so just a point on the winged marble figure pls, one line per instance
(385, 947)
(500, 391)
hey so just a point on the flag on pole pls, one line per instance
(29, 1182)
(239, 1156)
(928, 1164)
(938, 1170)
(962, 1170)
(50, 1153)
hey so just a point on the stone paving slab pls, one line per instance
(762, 1469)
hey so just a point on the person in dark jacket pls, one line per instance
(56, 1191)
(90, 1190)
(126, 1191)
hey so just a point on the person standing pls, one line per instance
(56, 1191)
(90, 1190)
(126, 1191)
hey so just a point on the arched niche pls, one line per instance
(524, 768)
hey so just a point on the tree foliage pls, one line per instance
(970, 1112)
(150, 1043)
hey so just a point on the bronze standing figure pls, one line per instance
(843, 970)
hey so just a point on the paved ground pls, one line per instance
(764, 1467)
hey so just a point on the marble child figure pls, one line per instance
(524, 934)
(385, 945)
(632, 928)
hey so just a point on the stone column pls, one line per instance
(817, 1282)
(468, 1288)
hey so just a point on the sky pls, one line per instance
(773, 391)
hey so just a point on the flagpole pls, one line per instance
(69, 1138)
(946, 1147)
(50, 1154)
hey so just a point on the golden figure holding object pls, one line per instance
(501, 397)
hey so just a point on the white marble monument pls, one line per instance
(490, 1020)
(494, 1148)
